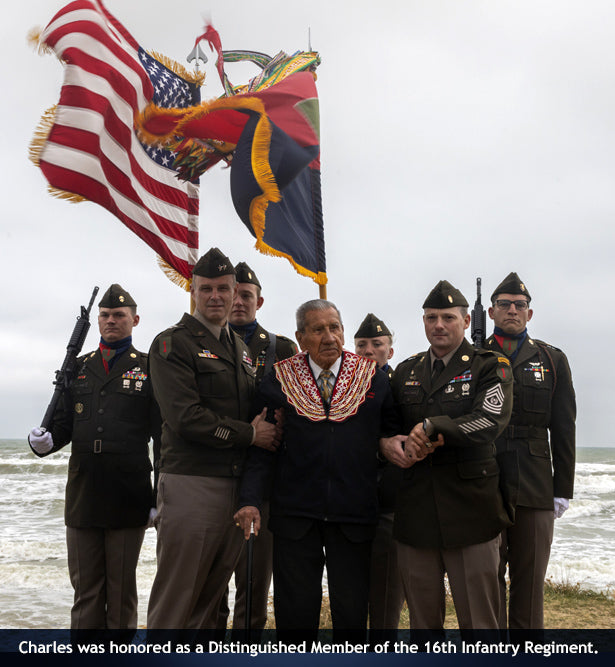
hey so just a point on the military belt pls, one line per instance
(106, 446)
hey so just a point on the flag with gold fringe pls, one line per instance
(268, 132)
(86, 145)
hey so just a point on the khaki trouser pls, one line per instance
(526, 548)
(197, 549)
(102, 564)
(473, 577)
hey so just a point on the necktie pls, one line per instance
(438, 367)
(325, 385)
(224, 339)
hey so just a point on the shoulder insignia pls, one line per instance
(164, 345)
(543, 344)
(504, 360)
(504, 372)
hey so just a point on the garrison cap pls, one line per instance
(213, 264)
(511, 285)
(444, 295)
(245, 274)
(116, 297)
(372, 327)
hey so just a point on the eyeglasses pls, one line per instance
(505, 304)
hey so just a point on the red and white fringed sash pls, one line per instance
(300, 388)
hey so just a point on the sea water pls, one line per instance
(35, 590)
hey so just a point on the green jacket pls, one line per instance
(259, 343)
(452, 498)
(542, 425)
(109, 418)
(205, 396)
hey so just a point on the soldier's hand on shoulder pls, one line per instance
(40, 440)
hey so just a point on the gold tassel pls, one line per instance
(179, 69)
(319, 278)
(35, 149)
(173, 275)
(33, 39)
(260, 160)
(41, 134)
(65, 195)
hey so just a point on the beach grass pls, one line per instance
(567, 606)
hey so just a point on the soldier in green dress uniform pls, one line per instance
(455, 400)
(204, 382)
(109, 414)
(374, 340)
(265, 349)
(542, 433)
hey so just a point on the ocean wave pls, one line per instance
(16, 488)
(32, 551)
(595, 485)
(589, 507)
(29, 459)
(598, 575)
(595, 468)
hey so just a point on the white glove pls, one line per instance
(560, 505)
(153, 513)
(40, 440)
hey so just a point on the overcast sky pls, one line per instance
(459, 138)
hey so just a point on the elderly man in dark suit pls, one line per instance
(324, 500)
(450, 510)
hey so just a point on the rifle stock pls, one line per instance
(479, 319)
(65, 374)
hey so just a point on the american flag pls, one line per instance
(92, 149)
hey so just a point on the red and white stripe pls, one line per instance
(92, 149)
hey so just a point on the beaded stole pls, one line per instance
(300, 388)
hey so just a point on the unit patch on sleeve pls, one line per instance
(164, 346)
(494, 400)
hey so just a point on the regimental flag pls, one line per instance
(269, 134)
(87, 147)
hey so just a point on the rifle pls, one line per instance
(479, 319)
(66, 372)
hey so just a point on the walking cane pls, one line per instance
(249, 560)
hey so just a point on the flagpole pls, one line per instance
(322, 289)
